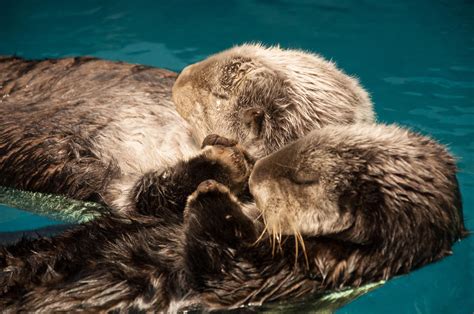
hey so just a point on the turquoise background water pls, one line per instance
(415, 57)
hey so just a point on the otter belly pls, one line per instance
(84, 127)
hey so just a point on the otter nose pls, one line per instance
(270, 168)
(262, 184)
(183, 94)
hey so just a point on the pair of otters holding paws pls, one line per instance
(298, 194)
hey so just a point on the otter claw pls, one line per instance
(211, 186)
(214, 139)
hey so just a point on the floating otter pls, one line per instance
(86, 128)
(175, 252)
(267, 97)
(390, 194)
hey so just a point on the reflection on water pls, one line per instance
(415, 57)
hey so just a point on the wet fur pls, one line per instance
(141, 260)
(89, 128)
(86, 128)
(188, 244)
(267, 97)
(388, 191)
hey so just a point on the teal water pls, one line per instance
(415, 57)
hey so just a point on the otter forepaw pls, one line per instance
(207, 194)
(214, 139)
(210, 186)
(213, 210)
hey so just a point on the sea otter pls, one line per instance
(190, 244)
(390, 193)
(266, 97)
(86, 128)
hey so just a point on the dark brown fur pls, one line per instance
(175, 252)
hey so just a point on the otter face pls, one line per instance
(230, 95)
(267, 97)
(299, 189)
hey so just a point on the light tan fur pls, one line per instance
(138, 144)
(266, 97)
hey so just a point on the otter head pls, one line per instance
(309, 187)
(267, 97)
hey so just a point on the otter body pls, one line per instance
(86, 128)
(388, 192)
(189, 244)
(266, 98)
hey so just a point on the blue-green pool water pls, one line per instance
(415, 57)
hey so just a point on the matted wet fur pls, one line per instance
(175, 252)
(389, 191)
(86, 128)
(266, 97)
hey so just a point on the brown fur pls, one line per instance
(389, 195)
(267, 97)
(175, 252)
(86, 128)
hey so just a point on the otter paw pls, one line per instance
(208, 191)
(212, 210)
(234, 160)
(211, 186)
(214, 139)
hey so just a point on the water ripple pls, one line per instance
(439, 81)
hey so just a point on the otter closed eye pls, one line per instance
(196, 246)
(305, 176)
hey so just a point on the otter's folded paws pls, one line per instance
(234, 159)
(214, 214)
(215, 229)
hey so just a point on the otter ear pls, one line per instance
(253, 119)
(264, 88)
(262, 92)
